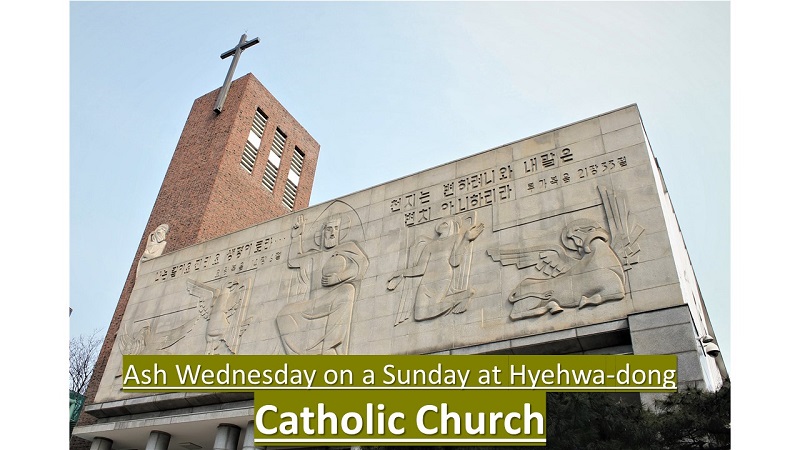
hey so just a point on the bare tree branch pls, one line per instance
(83, 352)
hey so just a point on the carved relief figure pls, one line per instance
(146, 340)
(224, 311)
(443, 265)
(330, 275)
(587, 269)
(156, 242)
(155, 245)
(137, 343)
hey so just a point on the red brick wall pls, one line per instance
(206, 193)
(238, 196)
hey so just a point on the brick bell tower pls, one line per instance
(242, 159)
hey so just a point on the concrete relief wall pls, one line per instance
(556, 231)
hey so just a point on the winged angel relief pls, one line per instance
(587, 269)
(224, 311)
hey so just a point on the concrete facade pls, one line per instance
(561, 243)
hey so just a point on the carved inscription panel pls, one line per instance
(559, 230)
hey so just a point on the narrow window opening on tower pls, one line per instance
(296, 167)
(253, 141)
(274, 160)
(278, 142)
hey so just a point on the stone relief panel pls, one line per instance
(587, 268)
(149, 340)
(436, 277)
(328, 275)
(224, 311)
(545, 234)
(218, 314)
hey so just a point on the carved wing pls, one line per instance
(625, 233)
(205, 296)
(133, 345)
(169, 338)
(548, 262)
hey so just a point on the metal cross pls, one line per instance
(236, 51)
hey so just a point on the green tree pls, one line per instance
(687, 419)
(598, 421)
(695, 419)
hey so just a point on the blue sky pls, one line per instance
(389, 89)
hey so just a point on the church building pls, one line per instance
(564, 242)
